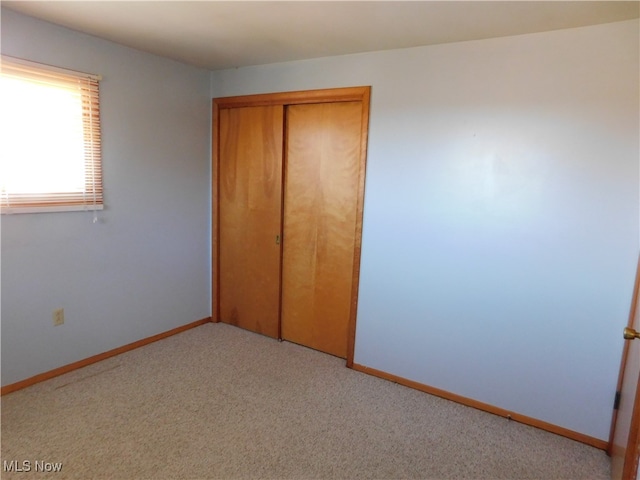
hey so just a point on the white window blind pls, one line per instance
(50, 152)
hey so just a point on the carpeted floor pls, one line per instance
(217, 402)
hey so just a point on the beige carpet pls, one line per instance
(220, 402)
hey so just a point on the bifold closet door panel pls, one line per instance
(250, 213)
(322, 166)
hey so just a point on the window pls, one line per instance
(50, 155)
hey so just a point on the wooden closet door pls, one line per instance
(322, 174)
(250, 202)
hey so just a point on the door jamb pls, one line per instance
(625, 353)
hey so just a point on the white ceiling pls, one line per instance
(217, 34)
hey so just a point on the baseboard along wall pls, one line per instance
(580, 437)
(96, 358)
(565, 432)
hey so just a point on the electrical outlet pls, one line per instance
(58, 317)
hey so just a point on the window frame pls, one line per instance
(87, 85)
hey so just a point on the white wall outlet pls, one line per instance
(58, 317)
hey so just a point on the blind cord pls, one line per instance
(93, 165)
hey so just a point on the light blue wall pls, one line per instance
(144, 268)
(501, 213)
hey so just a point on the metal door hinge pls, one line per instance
(616, 401)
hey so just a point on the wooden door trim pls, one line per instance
(625, 354)
(215, 213)
(632, 455)
(355, 285)
(348, 94)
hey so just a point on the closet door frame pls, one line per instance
(332, 95)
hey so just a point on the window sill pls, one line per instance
(52, 209)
